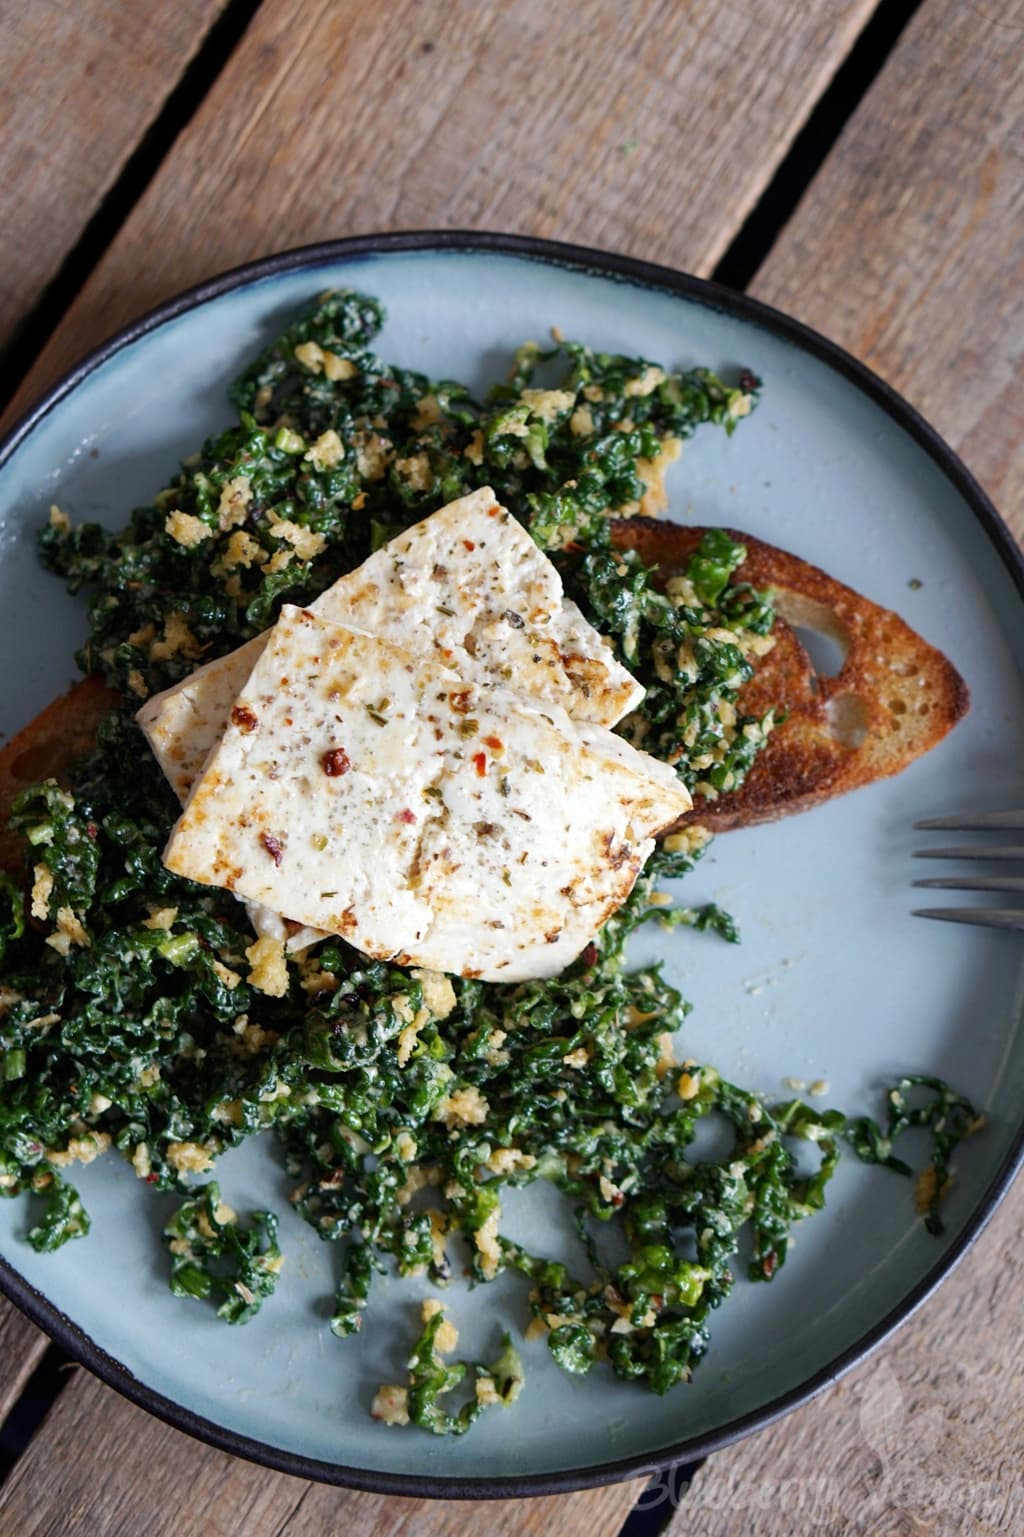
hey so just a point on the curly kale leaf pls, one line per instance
(213, 1255)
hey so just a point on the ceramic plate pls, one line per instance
(834, 979)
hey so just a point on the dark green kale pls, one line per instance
(948, 1116)
(431, 1378)
(406, 1103)
(690, 645)
(213, 1255)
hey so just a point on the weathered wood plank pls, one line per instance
(650, 128)
(923, 1440)
(909, 249)
(83, 79)
(909, 246)
(102, 1468)
(21, 1346)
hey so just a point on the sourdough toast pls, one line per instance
(894, 697)
(46, 749)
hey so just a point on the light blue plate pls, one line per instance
(834, 979)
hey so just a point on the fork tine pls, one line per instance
(978, 851)
(974, 883)
(981, 821)
(986, 917)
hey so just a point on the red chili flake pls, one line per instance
(92, 829)
(336, 762)
(494, 743)
(769, 1265)
(407, 816)
(589, 955)
(273, 846)
(243, 718)
(460, 701)
(492, 512)
(749, 381)
(480, 763)
(469, 545)
(151, 1179)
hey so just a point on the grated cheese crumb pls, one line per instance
(268, 969)
(447, 1337)
(547, 404)
(505, 1160)
(438, 992)
(465, 1107)
(336, 368)
(688, 1085)
(186, 529)
(688, 840)
(230, 978)
(69, 932)
(311, 356)
(306, 542)
(177, 640)
(372, 454)
(234, 502)
(189, 1157)
(59, 520)
(428, 413)
(160, 918)
(415, 471)
(666, 1054)
(42, 887)
(241, 550)
(391, 1404)
(474, 449)
(80, 1150)
(647, 382)
(327, 452)
(486, 1240)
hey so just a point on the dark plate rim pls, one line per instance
(700, 290)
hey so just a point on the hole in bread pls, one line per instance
(848, 718)
(819, 630)
(898, 706)
(827, 652)
(924, 709)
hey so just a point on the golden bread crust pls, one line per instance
(894, 698)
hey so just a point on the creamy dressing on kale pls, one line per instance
(131, 1017)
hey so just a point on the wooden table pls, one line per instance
(146, 146)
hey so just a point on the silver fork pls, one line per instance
(985, 821)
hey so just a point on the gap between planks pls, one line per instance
(447, 115)
(83, 84)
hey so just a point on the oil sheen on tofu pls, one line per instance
(426, 818)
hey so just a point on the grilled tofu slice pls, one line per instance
(427, 819)
(467, 587)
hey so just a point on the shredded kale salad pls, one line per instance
(133, 1014)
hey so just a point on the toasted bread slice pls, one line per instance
(894, 697)
(46, 749)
